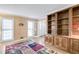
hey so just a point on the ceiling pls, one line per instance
(37, 11)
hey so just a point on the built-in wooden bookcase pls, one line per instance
(67, 24)
(63, 23)
(59, 23)
(51, 24)
(75, 21)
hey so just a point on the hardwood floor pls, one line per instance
(58, 51)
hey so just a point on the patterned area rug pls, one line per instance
(28, 47)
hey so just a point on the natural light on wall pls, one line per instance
(7, 29)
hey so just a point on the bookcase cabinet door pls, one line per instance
(49, 39)
(74, 46)
(64, 43)
(61, 42)
(57, 41)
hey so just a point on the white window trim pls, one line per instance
(2, 29)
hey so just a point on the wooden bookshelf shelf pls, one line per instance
(77, 16)
(51, 20)
(63, 18)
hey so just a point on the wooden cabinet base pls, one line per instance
(70, 45)
(61, 42)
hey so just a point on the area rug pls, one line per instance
(27, 47)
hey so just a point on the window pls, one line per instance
(30, 28)
(42, 27)
(0, 28)
(7, 29)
